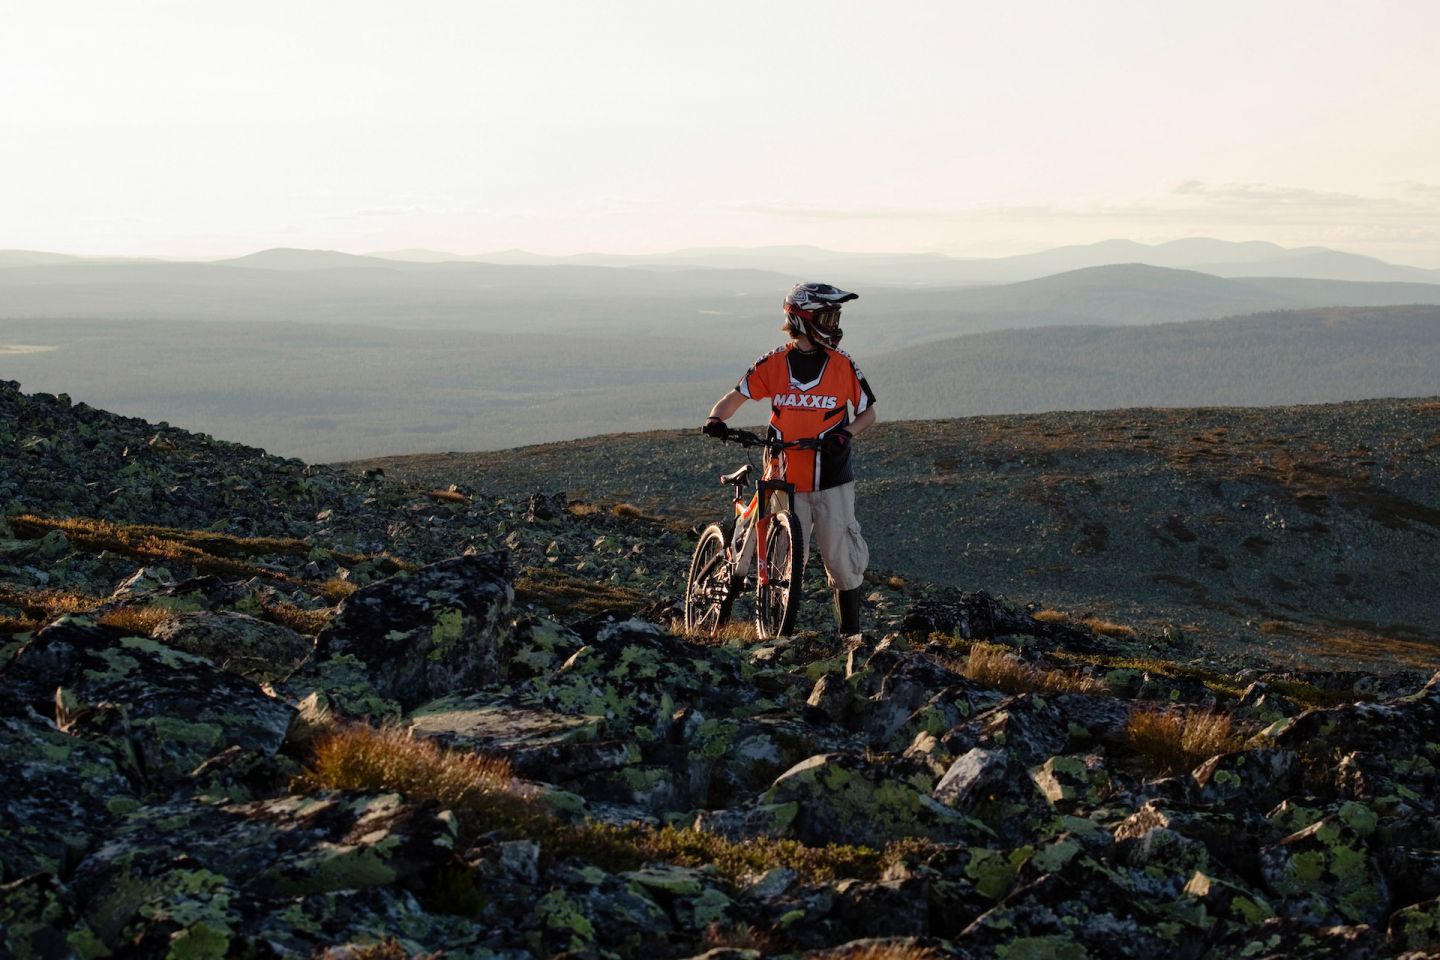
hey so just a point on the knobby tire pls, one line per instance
(707, 590)
(777, 602)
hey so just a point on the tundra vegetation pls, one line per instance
(251, 707)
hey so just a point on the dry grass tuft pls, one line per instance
(334, 590)
(1096, 625)
(734, 633)
(10, 625)
(473, 785)
(740, 936)
(995, 666)
(567, 596)
(139, 620)
(299, 619)
(628, 510)
(1107, 628)
(1172, 741)
(447, 496)
(879, 951)
(47, 604)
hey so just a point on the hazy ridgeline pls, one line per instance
(327, 356)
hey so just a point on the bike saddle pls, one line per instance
(740, 478)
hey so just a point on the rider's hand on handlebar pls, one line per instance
(836, 441)
(715, 427)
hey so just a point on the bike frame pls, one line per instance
(754, 517)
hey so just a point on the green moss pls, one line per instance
(445, 634)
(200, 942)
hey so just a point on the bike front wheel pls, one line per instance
(707, 591)
(778, 600)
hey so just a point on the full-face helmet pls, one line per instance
(813, 310)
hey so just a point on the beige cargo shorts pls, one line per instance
(831, 514)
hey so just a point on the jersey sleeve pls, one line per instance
(861, 396)
(757, 383)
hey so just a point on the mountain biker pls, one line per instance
(812, 385)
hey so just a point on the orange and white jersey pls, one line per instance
(810, 394)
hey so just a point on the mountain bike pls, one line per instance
(720, 570)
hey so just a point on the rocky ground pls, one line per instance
(1307, 534)
(255, 708)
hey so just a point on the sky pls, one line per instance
(207, 128)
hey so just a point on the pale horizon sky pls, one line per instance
(192, 128)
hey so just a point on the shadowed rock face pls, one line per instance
(156, 802)
(427, 633)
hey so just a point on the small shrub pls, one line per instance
(628, 510)
(1172, 741)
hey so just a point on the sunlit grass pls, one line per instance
(995, 666)
(1173, 741)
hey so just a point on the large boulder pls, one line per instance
(168, 709)
(59, 793)
(425, 633)
(237, 642)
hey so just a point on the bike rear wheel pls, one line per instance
(778, 601)
(707, 590)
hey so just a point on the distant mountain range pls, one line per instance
(1220, 257)
(697, 303)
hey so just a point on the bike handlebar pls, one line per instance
(745, 438)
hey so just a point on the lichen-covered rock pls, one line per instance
(995, 789)
(842, 798)
(340, 687)
(1258, 778)
(537, 647)
(1259, 702)
(1071, 782)
(1405, 731)
(194, 864)
(59, 793)
(1078, 914)
(1416, 927)
(1324, 874)
(253, 648)
(1028, 727)
(1232, 837)
(174, 709)
(429, 632)
(729, 760)
(350, 924)
(37, 922)
(488, 723)
(889, 908)
(636, 676)
(1282, 938)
